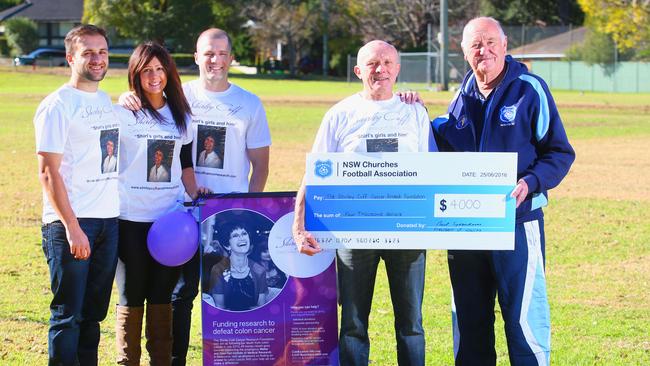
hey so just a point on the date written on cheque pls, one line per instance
(485, 174)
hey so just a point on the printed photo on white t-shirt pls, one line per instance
(382, 145)
(159, 153)
(211, 142)
(108, 142)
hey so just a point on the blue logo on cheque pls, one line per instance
(323, 169)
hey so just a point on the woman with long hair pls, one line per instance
(155, 165)
(237, 283)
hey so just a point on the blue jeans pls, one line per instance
(81, 289)
(183, 297)
(357, 270)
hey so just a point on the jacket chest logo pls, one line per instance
(507, 115)
(462, 122)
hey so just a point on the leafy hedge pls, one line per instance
(22, 35)
(181, 59)
(4, 46)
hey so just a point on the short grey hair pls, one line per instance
(463, 43)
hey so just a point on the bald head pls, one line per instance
(373, 47)
(214, 33)
(213, 56)
(377, 67)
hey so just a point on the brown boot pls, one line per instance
(128, 333)
(158, 332)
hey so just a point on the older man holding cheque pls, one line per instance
(374, 120)
(501, 107)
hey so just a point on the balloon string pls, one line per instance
(201, 199)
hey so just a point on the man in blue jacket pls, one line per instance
(501, 107)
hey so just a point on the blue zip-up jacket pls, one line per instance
(520, 116)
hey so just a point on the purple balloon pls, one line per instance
(173, 238)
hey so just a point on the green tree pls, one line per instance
(598, 48)
(6, 4)
(626, 21)
(344, 37)
(404, 22)
(529, 12)
(22, 35)
(229, 16)
(294, 22)
(175, 23)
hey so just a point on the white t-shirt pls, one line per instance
(236, 121)
(356, 124)
(78, 125)
(110, 164)
(150, 166)
(209, 159)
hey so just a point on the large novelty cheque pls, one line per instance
(411, 200)
(263, 303)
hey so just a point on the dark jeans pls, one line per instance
(81, 289)
(182, 301)
(357, 270)
(139, 277)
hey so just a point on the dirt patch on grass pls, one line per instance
(298, 100)
(287, 166)
(65, 71)
(644, 109)
(330, 100)
(610, 168)
(605, 168)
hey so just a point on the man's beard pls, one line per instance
(86, 74)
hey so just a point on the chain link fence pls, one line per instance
(421, 70)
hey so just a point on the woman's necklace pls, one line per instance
(240, 270)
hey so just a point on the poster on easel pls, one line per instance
(262, 302)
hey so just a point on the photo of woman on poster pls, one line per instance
(256, 231)
(237, 282)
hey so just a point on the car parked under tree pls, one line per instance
(46, 56)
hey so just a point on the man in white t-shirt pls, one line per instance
(110, 161)
(80, 205)
(217, 106)
(374, 120)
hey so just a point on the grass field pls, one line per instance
(597, 225)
